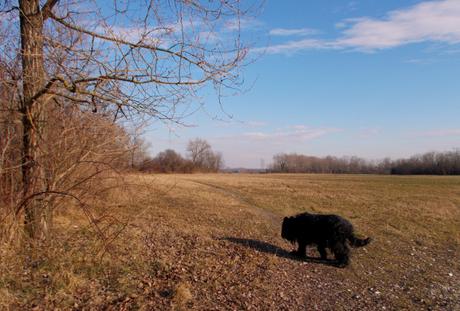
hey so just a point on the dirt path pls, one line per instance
(241, 198)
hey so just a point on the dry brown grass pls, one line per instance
(212, 242)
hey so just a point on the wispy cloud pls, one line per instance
(242, 24)
(255, 123)
(293, 32)
(294, 46)
(298, 133)
(241, 124)
(430, 21)
(368, 132)
(249, 147)
(441, 133)
(420, 61)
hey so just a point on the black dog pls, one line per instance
(325, 231)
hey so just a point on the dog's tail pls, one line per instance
(356, 242)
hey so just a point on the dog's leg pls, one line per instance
(322, 251)
(341, 252)
(302, 251)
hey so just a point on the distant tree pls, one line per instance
(430, 163)
(202, 156)
(213, 162)
(279, 163)
(138, 150)
(198, 151)
(169, 161)
(299, 163)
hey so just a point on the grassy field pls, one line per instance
(212, 242)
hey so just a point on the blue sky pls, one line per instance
(368, 78)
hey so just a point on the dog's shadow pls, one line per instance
(268, 248)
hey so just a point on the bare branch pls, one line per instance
(47, 7)
(140, 44)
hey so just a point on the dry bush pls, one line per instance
(10, 158)
(81, 160)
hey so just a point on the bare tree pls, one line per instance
(138, 148)
(217, 162)
(202, 156)
(197, 151)
(119, 59)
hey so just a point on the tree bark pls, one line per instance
(31, 25)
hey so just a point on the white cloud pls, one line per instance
(163, 34)
(437, 21)
(430, 21)
(293, 32)
(150, 35)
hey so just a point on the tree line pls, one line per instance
(430, 163)
(200, 158)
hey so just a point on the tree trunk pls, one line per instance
(31, 22)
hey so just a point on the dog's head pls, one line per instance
(287, 229)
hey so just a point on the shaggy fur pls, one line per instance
(324, 231)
